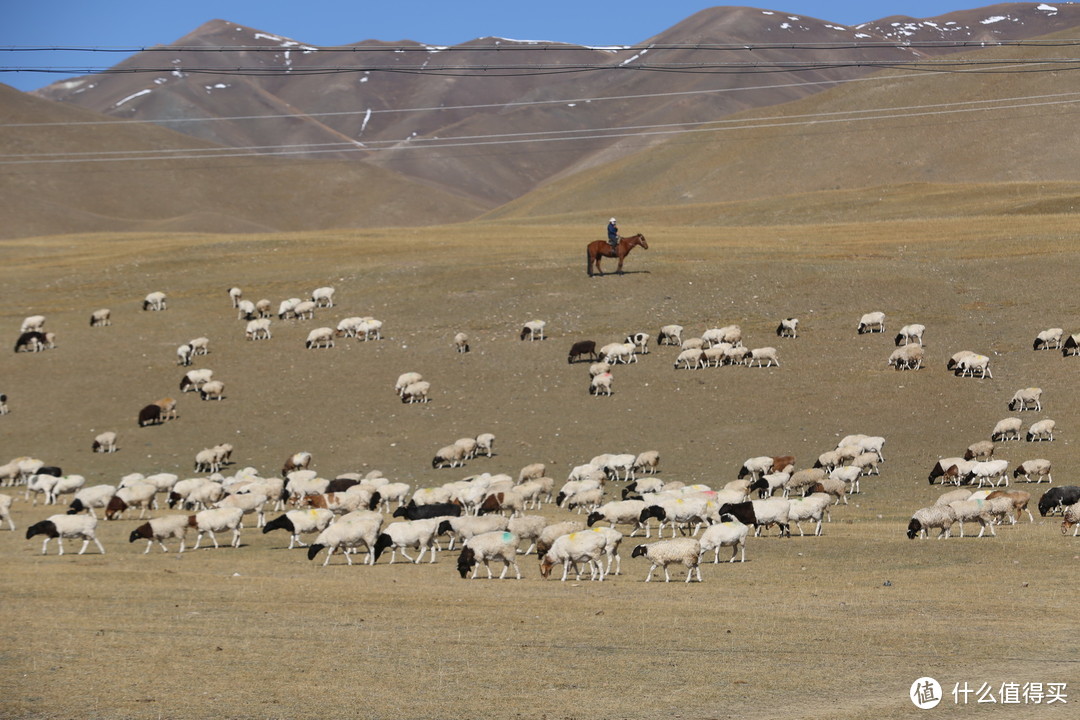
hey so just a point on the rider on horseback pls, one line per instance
(613, 234)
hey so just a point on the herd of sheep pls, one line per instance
(486, 513)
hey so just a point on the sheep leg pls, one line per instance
(149, 544)
(406, 555)
(198, 540)
(667, 577)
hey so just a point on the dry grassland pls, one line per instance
(831, 627)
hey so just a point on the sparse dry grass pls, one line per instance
(807, 628)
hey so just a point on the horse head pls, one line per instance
(639, 239)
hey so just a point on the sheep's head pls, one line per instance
(639, 551)
(913, 528)
(466, 561)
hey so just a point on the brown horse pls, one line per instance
(602, 249)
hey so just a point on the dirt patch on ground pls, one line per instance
(830, 627)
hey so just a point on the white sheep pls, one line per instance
(621, 512)
(405, 380)
(907, 357)
(1041, 430)
(154, 301)
(615, 353)
(245, 310)
(973, 511)
(286, 307)
(646, 462)
(104, 443)
(322, 337)
(527, 527)
(601, 384)
(1026, 399)
(691, 359)
(183, 355)
(5, 511)
(417, 392)
(369, 329)
(788, 327)
(694, 343)
(670, 335)
(970, 364)
(461, 342)
(533, 330)
(258, 329)
(219, 519)
(248, 501)
(162, 529)
(599, 368)
(137, 494)
(940, 516)
(485, 443)
(97, 496)
(212, 390)
(65, 526)
(299, 522)
(348, 534)
(101, 317)
(871, 322)
(911, 334)
(1039, 467)
(729, 532)
(757, 355)
(731, 334)
(304, 310)
(1007, 429)
(573, 548)
(1048, 339)
(484, 547)
(199, 345)
(812, 507)
(193, 380)
(323, 297)
(686, 551)
(463, 527)
(33, 323)
(419, 534)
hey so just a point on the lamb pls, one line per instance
(691, 359)
(262, 308)
(1017, 500)
(972, 363)
(498, 545)
(199, 345)
(686, 551)
(65, 526)
(100, 318)
(88, 498)
(213, 390)
(154, 301)
(411, 533)
(297, 522)
(348, 534)
(981, 450)
(139, 494)
(1070, 518)
(33, 323)
(534, 330)
(245, 310)
(936, 516)
(1026, 399)
(258, 329)
(1048, 339)
(323, 297)
(183, 355)
(461, 342)
(182, 490)
(286, 308)
(670, 335)
(104, 443)
(5, 511)
(910, 334)
(580, 349)
(728, 532)
(219, 519)
(168, 408)
(449, 456)
(1040, 468)
(647, 462)
(1042, 430)
(416, 393)
(304, 310)
(757, 355)
(573, 548)
(907, 357)
(788, 327)
(296, 461)
(463, 527)
(812, 507)
(322, 337)
(615, 353)
(193, 380)
(872, 322)
(1007, 429)
(485, 443)
(601, 384)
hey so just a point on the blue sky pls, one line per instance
(130, 23)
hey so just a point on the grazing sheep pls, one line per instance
(97, 496)
(137, 494)
(348, 533)
(323, 297)
(304, 310)
(834, 487)
(800, 480)
(581, 348)
(730, 334)
(461, 342)
(981, 450)
(417, 392)
(5, 511)
(601, 384)
(757, 355)
(3, 404)
(296, 461)
(621, 512)
(297, 522)
(573, 548)
(286, 307)
(647, 462)
(449, 456)
(769, 483)
(686, 551)
(1042, 430)
(640, 341)
(162, 529)
(691, 359)
(598, 368)
(183, 355)
(1007, 429)
(729, 532)
(872, 322)
(262, 308)
(970, 364)
(1040, 468)
(200, 345)
(1057, 498)
(534, 330)
(907, 357)
(1070, 517)
(953, 495)
(213, 390)
(910, 334)
(937, 516)
(670, 335)
(992, 472)
(33, 323)
(258, 329)
(32, 341)
(616, 353)
(788, 327)
(150, 415)
(235, 294)
(755, 467)
(1048, 339)
(104, 443)
(973, 511)
(168, 408)
(322, 337)
(195, 379)
(1026, 399)
(419, 534)
(250, 500)
(1071, 346)
(463, 527)
(695, 343)
(485, 443)
(760, 513)
(65, 526)
(245, 310)
(1017, 501)
(405, 380)
(736, 355)
(218, 519)
(482, 548)
(101, 317)
(811, 507)
(154, 301)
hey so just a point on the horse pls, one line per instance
(602, 249)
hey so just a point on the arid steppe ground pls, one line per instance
(837, 626)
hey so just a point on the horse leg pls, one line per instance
(618, 270)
